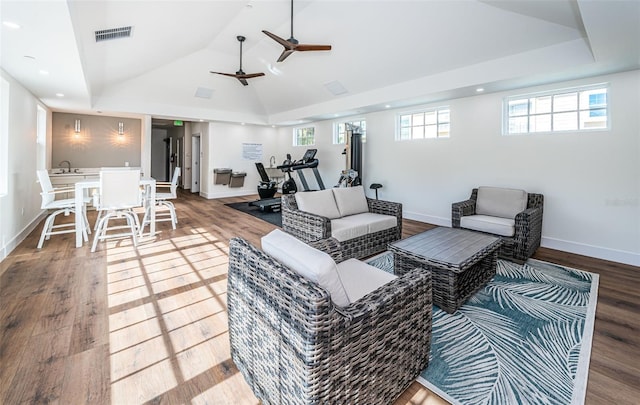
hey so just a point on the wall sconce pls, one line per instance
(77, 127)
(120, 128)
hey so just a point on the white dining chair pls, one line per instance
(165, 210)
(64, 206)
(119, 193)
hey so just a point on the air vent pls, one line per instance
(113, 33)
(335, 88)
(203, 92)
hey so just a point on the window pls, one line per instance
(432, 123)
(340, 128)
(576, 109)
(304, 136)
(41, 139)
(4, 136)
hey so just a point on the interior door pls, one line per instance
(195, 163)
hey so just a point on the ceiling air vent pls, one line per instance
(113, 33)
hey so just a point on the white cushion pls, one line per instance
(350, 200)
(311, 263)
(500, 202)
(485, 223)
(359, 278)
(349, 227)
(377, 222)
(318, 202)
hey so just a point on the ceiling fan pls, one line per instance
(240, 74)
(291, 45)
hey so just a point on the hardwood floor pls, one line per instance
(149, 325)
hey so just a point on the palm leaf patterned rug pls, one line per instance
(525, 338)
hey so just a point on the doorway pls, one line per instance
(195, 163)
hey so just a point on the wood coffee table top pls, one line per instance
(450, 248)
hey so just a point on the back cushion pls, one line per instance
(500, 202)
(318, 202)
(311, 263)
(351, 200)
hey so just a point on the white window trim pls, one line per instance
(294, 136)
(4, 137)
(552, 92)
(342, 121)
(422, 110)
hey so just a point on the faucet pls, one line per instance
(68, 164)
(272, 161)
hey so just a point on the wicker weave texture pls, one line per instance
(309, 227)
(452, 282)
(293, 346)
(528, 226)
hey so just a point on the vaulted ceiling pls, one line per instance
(385, 53)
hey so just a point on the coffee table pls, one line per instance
(461, 262)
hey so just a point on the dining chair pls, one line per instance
(168, 211)
(96, 194)
(119, 193)
(64, 206)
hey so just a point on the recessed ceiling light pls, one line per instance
(479, 89)
(44, 72)
(387, 106)
(30, 57)
(242, 123)
(10, 24)
(59, 95)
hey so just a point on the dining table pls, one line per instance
(83, 186)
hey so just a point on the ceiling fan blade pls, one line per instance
(281, 41)
(224, 74)
(243, 81)
(285, 54)
(308, 47)
(250, 75)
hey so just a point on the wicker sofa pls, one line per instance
(514, 215)
(294, 345)
(363, 226)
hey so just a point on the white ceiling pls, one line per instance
(394, 52)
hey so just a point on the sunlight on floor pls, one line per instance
(168, 319)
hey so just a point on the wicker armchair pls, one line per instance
(528, 226)
(310, 227)
(294, 346)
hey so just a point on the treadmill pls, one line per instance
(266, 190)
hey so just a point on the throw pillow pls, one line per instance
(350, 200)
(318, 202)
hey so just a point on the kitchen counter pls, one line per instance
(79, 172)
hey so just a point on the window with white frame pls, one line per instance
(304, 136)
(340, 130)
(424, 124)
(575, 109)
(4, 137)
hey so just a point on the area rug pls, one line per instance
(525, 338)
(274, 218)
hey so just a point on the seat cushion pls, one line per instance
(319, 202)
(311, 263)
(350, 200)
(348, 228)
(359, 279)
(485, 223)
(500, 202)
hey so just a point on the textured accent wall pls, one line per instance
(98, 143)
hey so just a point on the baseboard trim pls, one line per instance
(22, 235)
(598, 252)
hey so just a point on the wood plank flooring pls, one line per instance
(149, 325)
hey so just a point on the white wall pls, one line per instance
(20, 208)
(590, 180)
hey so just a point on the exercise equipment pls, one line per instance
(308, 161)
(375, 186)
(267, 188)
(352, 175)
